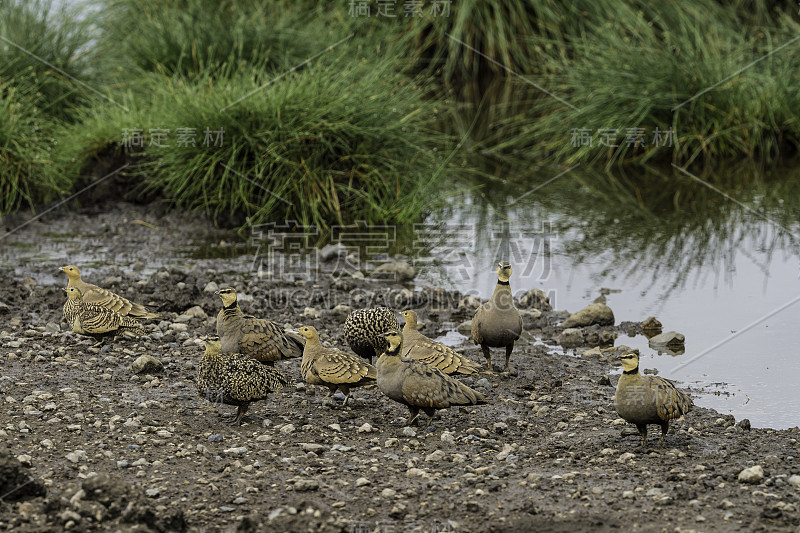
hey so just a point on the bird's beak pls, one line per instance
(61, 269)
(216, 292)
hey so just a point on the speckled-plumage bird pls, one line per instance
(96, 320)
(417, 385)
(92, 294)
(235, 379)
(418, 346)
(497, 323)
(644, 400)
(364, 329)
(331, 368)
(263, 340)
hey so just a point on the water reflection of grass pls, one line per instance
(650, 222)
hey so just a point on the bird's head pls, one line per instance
(72, 272)
(503, 271)
(630, 361)
(394, 338)
(309, 332)
(227, 295)
(213, 345)
(73, 293)
(410, 318)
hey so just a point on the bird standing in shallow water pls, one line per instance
(331, 368)
(95, 320)
(644, 400)
(235, 379)
(497, 323)
(92, 294)
(417, 385)
(263, 340)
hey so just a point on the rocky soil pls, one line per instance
(88, 444)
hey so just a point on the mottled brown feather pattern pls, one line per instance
(235, 379)
(261, 339)
(644, 400)
(421, 348)
(334, 369)
(92, 294)
(364, 329)
(419, 386)
(96, 320)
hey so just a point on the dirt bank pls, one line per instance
(104, 448)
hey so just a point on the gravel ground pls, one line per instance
(86, 444)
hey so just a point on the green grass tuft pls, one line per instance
(337, 142)
(27, 175)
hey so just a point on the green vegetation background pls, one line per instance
(386, 114)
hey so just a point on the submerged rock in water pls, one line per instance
(669, 338)
(651, 323)
(529, 317)
(571, 337)
(599, 314)
(535, 299)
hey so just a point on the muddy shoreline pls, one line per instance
(103, 448)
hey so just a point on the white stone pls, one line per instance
(754, 474)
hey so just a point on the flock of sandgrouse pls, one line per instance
(237, 365)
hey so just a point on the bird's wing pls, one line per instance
(245, 379)
(477, 338)
(670, 402)
(340, 367)
(263, 338)
(97, 319)
(426, 386)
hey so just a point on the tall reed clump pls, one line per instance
(182, 37)
(344, 140)
(41, 49)
(613, 92)
(655, 67)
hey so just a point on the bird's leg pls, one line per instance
(509, 349)
(346, 391)
(431, 413)
(643, 432)
(487, 355)
(664, 429)
(412, 417)
(240, 413)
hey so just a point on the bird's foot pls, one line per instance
(330, 402)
